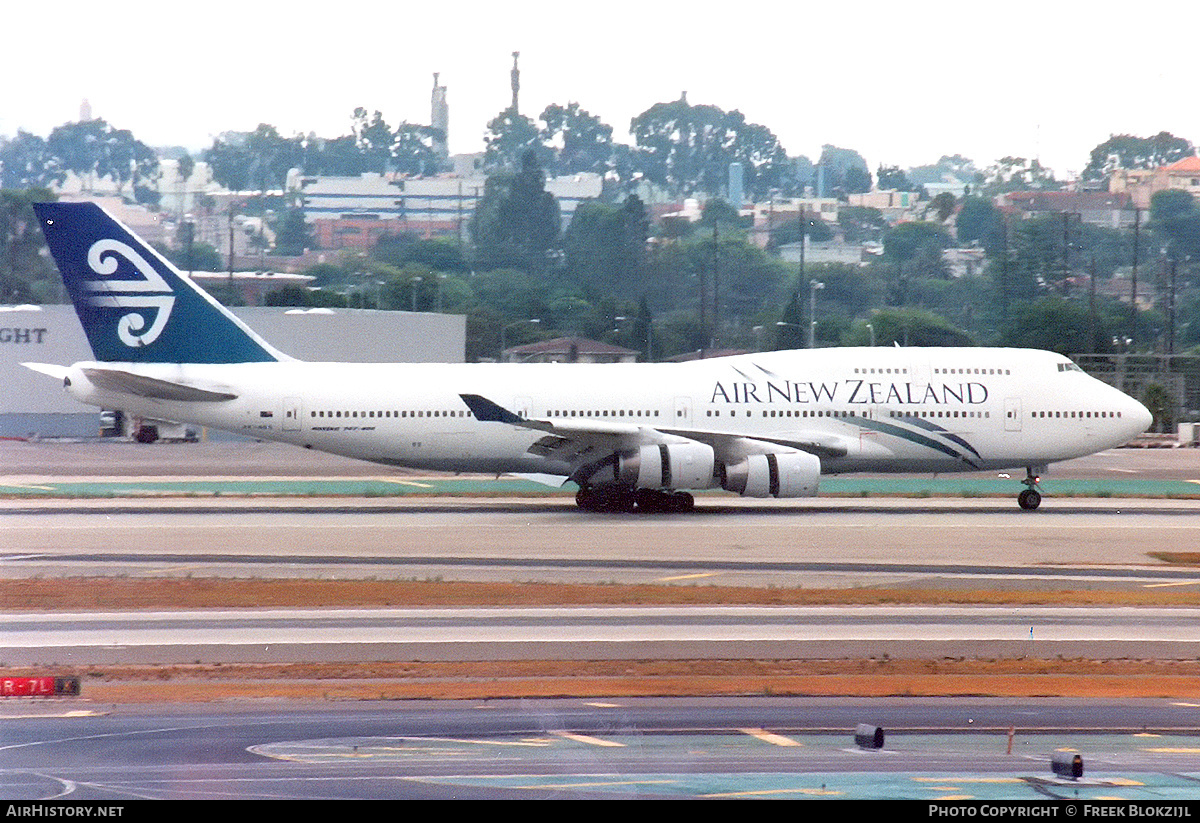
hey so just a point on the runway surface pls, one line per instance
(934, 750)
(598, 633)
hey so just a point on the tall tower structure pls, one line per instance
(515, 76)
(439, 117)
(85, 111)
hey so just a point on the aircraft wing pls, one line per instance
(587, 444)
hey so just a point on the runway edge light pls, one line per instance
(867, 736)
(1067, 764)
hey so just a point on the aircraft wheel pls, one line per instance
(650, 500)
(683, 502)
(1029, 499)
(605, 499)
(621, 500)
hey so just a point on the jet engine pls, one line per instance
(667, 466)
(794, 474)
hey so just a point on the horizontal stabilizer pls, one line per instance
(48, 369)
(142, 386)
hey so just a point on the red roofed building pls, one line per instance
(1142, 184)
(1099, 208)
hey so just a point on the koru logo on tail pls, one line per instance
(152, 292)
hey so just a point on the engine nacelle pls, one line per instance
(795, 474)
(667, 466)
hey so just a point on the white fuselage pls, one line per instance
(876, 409)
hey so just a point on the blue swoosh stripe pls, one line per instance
(913, 437)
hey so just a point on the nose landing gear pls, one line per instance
(1031, 497)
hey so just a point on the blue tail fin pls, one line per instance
(133, 304)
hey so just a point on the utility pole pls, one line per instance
(1093, 322)
(716, 265)
(1066, 253)
(803, 234)
(1137, 225)
(231, 252)
(1171, 311)
(813, 285)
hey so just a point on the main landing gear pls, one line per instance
(1031, 498)
(624, 499)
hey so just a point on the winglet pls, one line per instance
(486, 411)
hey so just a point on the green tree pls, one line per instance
(861, 223)
(790, 331)
(979, 221)
(292, 234)
(415, 150)
(438, 254)
(815, 229)
(26, 273)
(578, 140)
(1017, 174)
(93, 149)
(845, 171)
(374, 139)
(850, 289)
(891, 177)
(1170, 204)
(204, 257)
(1056, 324)
(1125, 151)
(605, 247)
(688, 149)
(339, 156)
(26, 162)
(916, 327)
(1176, 223)
(905, 241)
(516, 220)
(943, 205)
(186, 166)
(949, 168)
(292, 295)
(720, 211)
(509, 137)
(1162, 405)
(258, 160)
(801, 174)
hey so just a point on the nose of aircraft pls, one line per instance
(1138, 415)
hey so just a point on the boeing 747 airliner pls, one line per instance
(631, 436)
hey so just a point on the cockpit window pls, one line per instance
(1069, 367)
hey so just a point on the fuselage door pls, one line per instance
(683, 411)
(523, 407)
(1012, 414)
(291, 414)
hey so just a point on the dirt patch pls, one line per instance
(201, 593)
(643, 678)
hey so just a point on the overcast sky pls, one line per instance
(901, 82)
